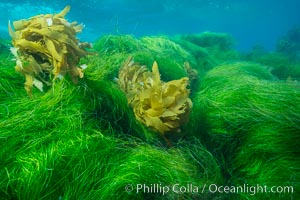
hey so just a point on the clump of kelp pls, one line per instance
(46, 48)
(84, 142)
(164, 106)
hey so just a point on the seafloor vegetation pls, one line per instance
(99, 139)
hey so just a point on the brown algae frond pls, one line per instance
(46, 48)
(163, 106)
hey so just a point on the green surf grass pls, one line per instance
(53, 147)
(255, 121)
(83, 141)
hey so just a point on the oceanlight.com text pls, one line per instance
(207, 188)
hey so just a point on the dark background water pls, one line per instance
(249, 22)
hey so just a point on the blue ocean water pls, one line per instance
(249, 22)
